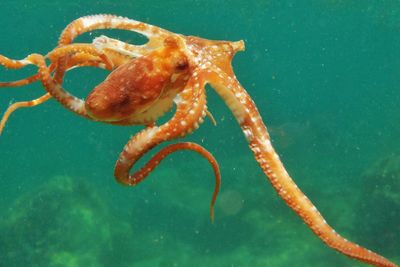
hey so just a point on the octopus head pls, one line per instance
(137, 85)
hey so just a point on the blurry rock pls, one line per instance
(379, 214)
(63, 223)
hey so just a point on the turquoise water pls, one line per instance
(325, 76)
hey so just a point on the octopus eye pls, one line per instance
(181, 65)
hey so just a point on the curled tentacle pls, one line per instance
(76, 53)
(79, 55)
(55, 89)
(119, 48)
(78, 59)
(96, 22)
(18, 64)
(259, 141)
(190, 111)
(86, 52)
(89, 23)
(143, 172)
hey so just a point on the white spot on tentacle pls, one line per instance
(266, 144)
(90, 21)
(249, 134)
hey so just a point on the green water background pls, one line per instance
(325, 76)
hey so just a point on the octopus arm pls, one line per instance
(118, 48)
(55, 89)
(190, 112)
(259, 141)
(85, 24)
(79, 58)
(101, 21)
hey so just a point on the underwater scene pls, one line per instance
(325, 77)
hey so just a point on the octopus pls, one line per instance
(148, 80)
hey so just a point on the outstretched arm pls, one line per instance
(256, 133)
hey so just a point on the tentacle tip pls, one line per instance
(2, 124)
(212, 217)
(208, 113)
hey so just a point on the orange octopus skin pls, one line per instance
(133, 87)
(145, 82)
